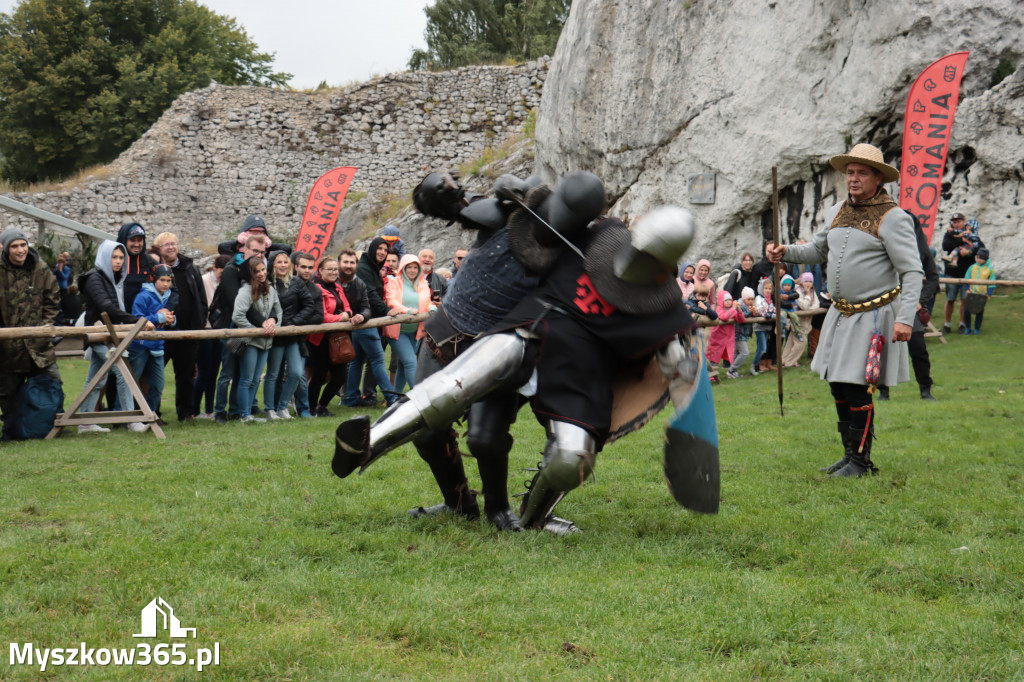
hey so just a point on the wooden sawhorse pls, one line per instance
(143, 415)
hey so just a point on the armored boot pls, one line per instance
(844, 434)
(568, 460)
(860, 454)
(435, 402)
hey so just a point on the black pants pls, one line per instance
(919, 359)
(853, 404)
(320, 365)
(183, 354)
(208, 354)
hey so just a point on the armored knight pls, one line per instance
(607, 302)
(490, 283)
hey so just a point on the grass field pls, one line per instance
(916, 573)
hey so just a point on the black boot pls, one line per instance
(844, 434)
(439, 448)
(883, 392)
(860, 457)
(494, 484)
(926, 393)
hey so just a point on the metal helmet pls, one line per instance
(658, 240)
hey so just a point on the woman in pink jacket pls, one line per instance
(407, 292)
(722, 342)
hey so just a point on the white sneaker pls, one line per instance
(138, 427)
(252, 420)
(92, 428)
(271, 414)
(284, 414)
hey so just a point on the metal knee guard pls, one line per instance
(446, 394)
(568, 460)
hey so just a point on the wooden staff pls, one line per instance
(775, 281)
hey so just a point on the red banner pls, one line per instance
(927, 122)
(322, 209)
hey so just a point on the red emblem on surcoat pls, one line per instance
(588, 300)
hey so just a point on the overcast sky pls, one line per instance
(338, 42)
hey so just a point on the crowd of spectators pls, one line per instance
(746, 291)
(255, 283)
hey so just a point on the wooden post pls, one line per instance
(775, 281)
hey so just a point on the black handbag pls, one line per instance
(235, 345)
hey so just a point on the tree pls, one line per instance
(80, 81)
(461, 32)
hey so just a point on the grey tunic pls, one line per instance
(862, 267)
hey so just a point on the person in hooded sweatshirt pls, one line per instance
(147, 357)
(138, 266)
(103, 292)
(393, 237)
(369, 271)
(29, 297)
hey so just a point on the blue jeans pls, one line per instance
(124, 394)
(275, 395)
(149, 368)
(302, 392)
(250, 367)
(762, 346)
(227, 388)
(368, 349)
(405, 345)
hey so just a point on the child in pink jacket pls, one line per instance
(722, 342)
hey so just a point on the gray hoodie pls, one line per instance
(102, 263)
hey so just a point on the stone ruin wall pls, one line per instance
(223, 152)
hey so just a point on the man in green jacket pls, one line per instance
(29, 297)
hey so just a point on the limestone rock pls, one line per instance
(646, 94)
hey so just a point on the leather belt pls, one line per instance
(847, 308)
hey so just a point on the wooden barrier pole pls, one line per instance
(95, 332)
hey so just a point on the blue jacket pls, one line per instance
(147, 304)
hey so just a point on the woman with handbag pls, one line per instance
(407, 293)
(258, 295)
(336, 309)
(298, 307)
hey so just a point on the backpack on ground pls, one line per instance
(39, 401)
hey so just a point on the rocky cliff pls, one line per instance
(647, 94)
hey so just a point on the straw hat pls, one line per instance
(868, 155)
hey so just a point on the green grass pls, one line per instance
(302, 576)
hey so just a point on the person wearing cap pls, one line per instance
(614, 306)
(960, 243)
(978, 294)
(138, 266)
(875, 276)
(29, 297)
(146, 357)
(192, 310)
(393, 237)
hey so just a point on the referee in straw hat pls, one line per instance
(875, 278)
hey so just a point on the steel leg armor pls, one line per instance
(568, 460)
(436, 402)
